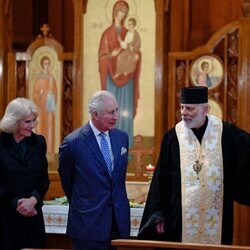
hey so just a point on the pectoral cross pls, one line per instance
(197, 167)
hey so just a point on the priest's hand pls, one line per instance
(160, 227)
(26, 206)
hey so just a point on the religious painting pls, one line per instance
(215, 108)
(120, 63)
(45, 78)
(119, 56)
(207, 71)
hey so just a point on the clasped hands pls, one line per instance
(160, 227)
(26, 206)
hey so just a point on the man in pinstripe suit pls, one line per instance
(98, 204)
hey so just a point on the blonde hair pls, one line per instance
(15, 111)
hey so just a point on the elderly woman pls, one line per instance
(23, 177)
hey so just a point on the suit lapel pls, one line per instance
(90, 140)
(92, 143)
(115, 148)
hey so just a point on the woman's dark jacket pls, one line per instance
(23, 173)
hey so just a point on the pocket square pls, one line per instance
(123, 151)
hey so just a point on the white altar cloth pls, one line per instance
(55, 218)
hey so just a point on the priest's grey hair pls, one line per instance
(15, 111)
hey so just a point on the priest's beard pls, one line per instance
(195, 122)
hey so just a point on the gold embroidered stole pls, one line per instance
(202, 191)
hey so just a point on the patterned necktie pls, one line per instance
(106, 152)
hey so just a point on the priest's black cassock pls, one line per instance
(164, 198)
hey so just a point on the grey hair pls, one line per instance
(15, 111)
(205, 105)
(96, 102)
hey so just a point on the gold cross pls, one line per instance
(191, 177)
(49, 219)
(192, 220)
(213, 177)
(212, 221)
(59, 219)
(45, 29)
(135, 222)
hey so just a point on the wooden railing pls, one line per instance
(152, 245)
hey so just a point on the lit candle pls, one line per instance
(150, 168)
(150, 171)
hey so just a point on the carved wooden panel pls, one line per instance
(222, 48)
(67, 98)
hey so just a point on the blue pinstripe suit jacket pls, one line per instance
(94, 196)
